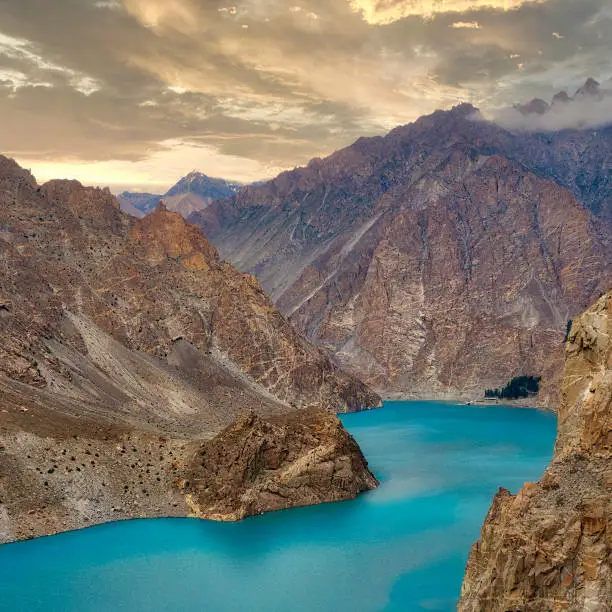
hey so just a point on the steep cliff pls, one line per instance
(116, 332)
(549, 548)
(440, 259)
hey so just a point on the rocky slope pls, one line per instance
(440, 259)
(118, 331)
(549, 548)
(59, 472)
(254, 466)
(191, 194)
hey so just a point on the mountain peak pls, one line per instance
(561, 97)
(590, 88)
(536, 107)
(465, 109)
(10, 169)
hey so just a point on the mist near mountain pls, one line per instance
(590, 107)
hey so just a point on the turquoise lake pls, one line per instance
(402, 547)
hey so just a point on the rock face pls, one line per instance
(255, 466)
(192, 193)
(549, 548)
(117, 333)
(442, 259)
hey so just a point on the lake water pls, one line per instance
(401, 547)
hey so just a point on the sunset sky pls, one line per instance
(136, 93)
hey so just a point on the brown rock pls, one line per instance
(440, 260)
(549, 548)
(255, 466)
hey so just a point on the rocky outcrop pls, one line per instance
(442, 259)
(63, 474)
(255, 466)
(123, 337)
(549, 548)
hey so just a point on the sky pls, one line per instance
(134, 94)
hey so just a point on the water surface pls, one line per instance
(402, 547)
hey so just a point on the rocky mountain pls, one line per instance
(590, 91)
(441, 259)
(122, 337)
(192, 193)
(549, 548)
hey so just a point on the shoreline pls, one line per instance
(467, 401)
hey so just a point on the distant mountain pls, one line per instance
(590, 91)
(138, 204)
(192, 193)
(204, 186)
(589, 108)
(439, 260)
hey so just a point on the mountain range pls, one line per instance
(590, 91)
(441, 259)
(126, 345)
(192, 193)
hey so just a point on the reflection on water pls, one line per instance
(401, 547)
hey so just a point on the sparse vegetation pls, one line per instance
(568, 330)
(518, 387)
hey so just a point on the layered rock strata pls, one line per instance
(549, 548)
(439, 260)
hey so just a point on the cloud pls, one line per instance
(469, 25)
(580, 113)
(114, 87)
(387, 11)
(24, 51)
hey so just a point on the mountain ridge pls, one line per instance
(126, 344)
(313, 236)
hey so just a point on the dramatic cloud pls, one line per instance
(138, 92)
(387, 11)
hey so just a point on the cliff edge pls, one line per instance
(549, 547)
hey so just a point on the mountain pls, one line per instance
(138, 204)
(590, 91)
(192, 193)
(125, 340)
(590, 108)
(439, 260)
(549, 547)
